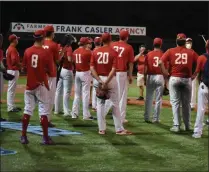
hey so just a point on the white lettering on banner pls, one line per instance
(78, 29)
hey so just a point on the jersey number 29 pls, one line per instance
(34, 61)
(181, 58)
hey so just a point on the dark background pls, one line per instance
(161, 19)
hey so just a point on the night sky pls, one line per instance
(161, 19)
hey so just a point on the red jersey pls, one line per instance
(152, 62)
(104, 59)
(125, 55)
(180, 61)
(1, 55)
(54, 50)
(141, 62)
(82, 58)
(66, 64)
(37, 63)
(200, 63)
(12, 58)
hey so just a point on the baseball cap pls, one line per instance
(97, 40)
(84, 40)
(13, 37)
(49, 28)
(181, 36)
(90, 40)
(157, 41)
(39, 33)
(124, 34)
(189, 40)
(106, 37)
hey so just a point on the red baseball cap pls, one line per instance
(181, 36)
(157, 41)
(49, 28)
(13, 37)
(90, 40)
(97, 40)
(106, 37)
(39, 33)
(124, 34)
(84, 40)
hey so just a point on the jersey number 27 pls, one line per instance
(120, 50)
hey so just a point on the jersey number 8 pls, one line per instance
(103, 58)
(181, 59)
(34, 61)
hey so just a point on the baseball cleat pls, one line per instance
(207, 122)
(74, 116)
(140, 98)
(124, 132)
(155, 121)
(47, 141)
(18, 108)
(66, 115)
(14, 110)
(89, 118)
(102, 132)
(147, 121)
(2, 119)
(125, 121)
(175, 129)
(24, 140)
(51, 125)
(94, 109)
(196, 135)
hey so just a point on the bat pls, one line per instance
(203, 37)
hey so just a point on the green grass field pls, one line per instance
(152, 147)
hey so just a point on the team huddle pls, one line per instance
(109, 66)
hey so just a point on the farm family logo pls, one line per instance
(18, 26)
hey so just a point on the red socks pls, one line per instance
(25, 122)
(44, 123)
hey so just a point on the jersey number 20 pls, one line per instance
(103, 58)
(34, 61)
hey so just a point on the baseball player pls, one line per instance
(81, 58)
(140, 58)
(103, 68)
(36, 61)
(64, 85)
(125, 58)
(52, 47)
(13, 67)
(154, 81)
(194, 81)
(97, 43)
(180, 60)
(203, 91)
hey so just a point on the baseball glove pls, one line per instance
(102, 93)
(8, 76)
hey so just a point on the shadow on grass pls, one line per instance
(14, 116)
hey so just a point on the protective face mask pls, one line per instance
(188, 46)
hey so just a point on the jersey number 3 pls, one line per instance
(181, 58)
(34, 61)
(156, 63)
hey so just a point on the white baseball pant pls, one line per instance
(63, 91)
(40, 96)
(180, 93)
(115, 102)
(82, 88)
(154, 83)
(1, 85)
(194, 93)
(52, 87)
(94, 97)
(203, 100)
(11, 89)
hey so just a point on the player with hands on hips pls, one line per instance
(65, 82)
(36, 62)
(81, 58)
(13, 67)
(203, 91)
(180, 61)
(194, 81)
(154, 81)
(97, 44)
(103, 68)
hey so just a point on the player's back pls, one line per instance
(181, 60)
(104, 59)
(82, 58)
(36, 62)
(152, 62)
(124, 54)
